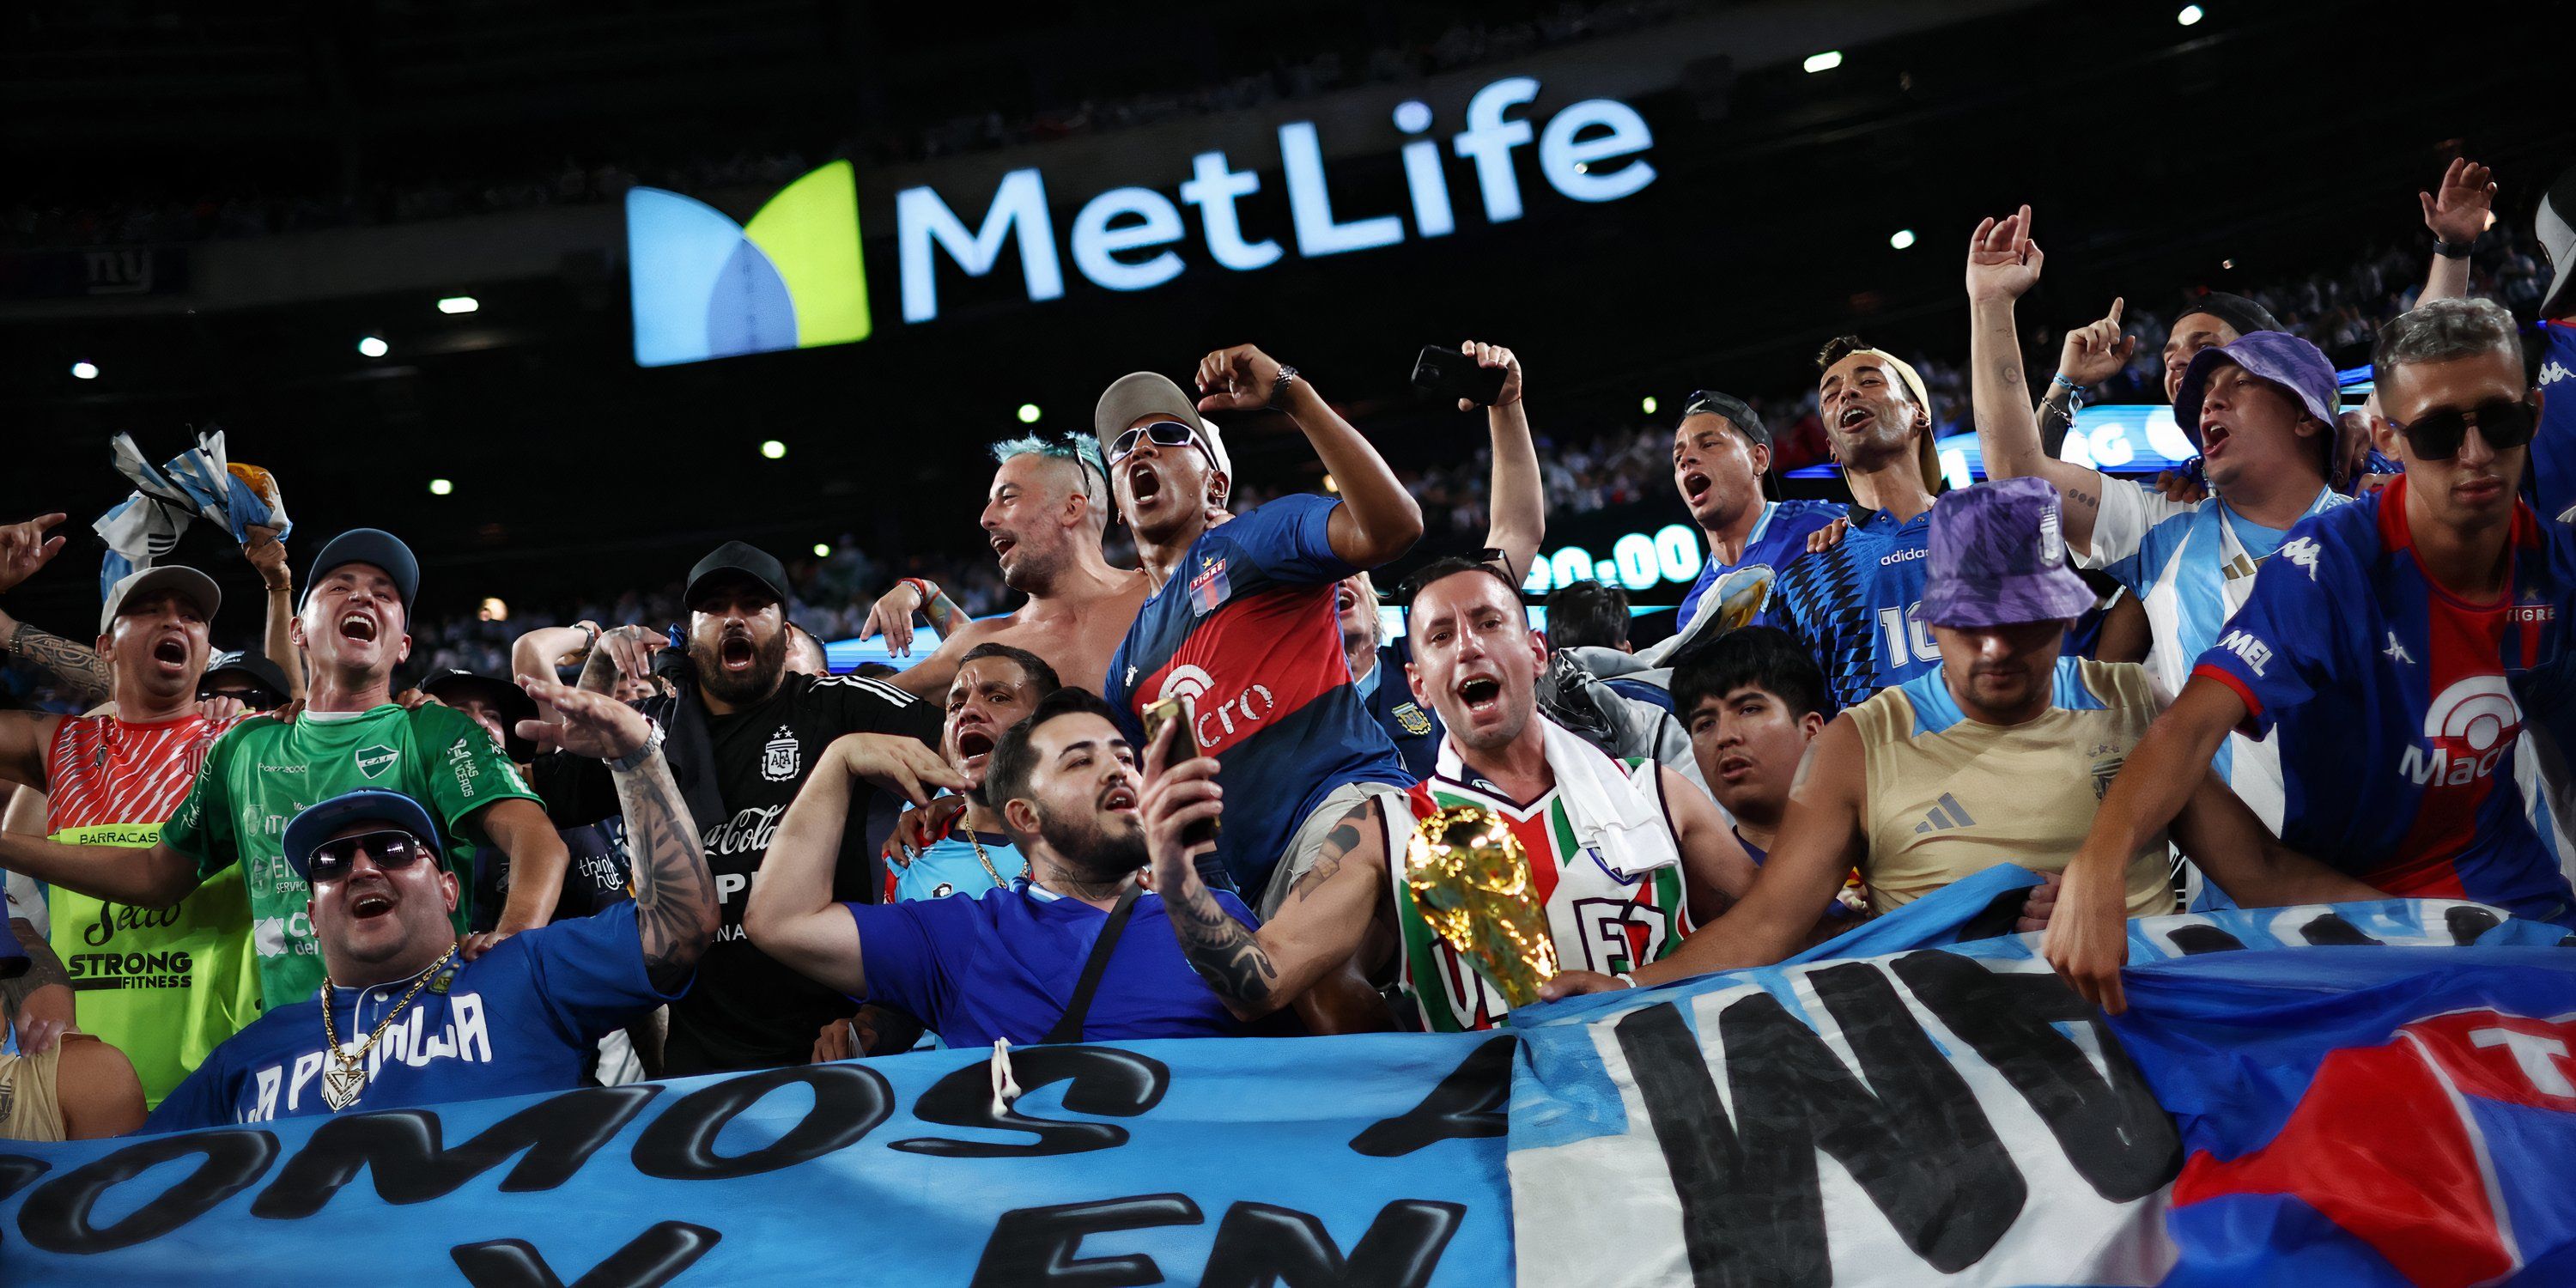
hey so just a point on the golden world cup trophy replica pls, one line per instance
(1471, 881)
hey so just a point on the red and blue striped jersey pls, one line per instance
(2398, 707)
(1246, 627)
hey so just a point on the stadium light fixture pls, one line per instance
(373, 347)
(1647, 404)
(1824, 62)
(2190, 15)
(459, 304)
(822, 550)
(440, 487)
(84, 371)
(1901, 239)
(773, 449)
(1028, 413)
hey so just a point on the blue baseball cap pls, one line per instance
(315, 824)
(370, 546)
(2275, 357)
(1997, 557)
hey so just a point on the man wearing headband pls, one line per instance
(1241, 617)
(1044, 517)
(2393, 651)
(398, 1017)
(2263, 409)
(1722, 469)
(1856, 605)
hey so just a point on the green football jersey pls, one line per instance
(260, 774)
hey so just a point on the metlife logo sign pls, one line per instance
(793, 276)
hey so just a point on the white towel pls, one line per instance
(1612, 812)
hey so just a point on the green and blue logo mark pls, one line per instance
(706, 287)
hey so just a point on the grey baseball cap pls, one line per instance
(1147, 393)
(198, 587)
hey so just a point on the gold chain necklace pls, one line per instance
(340, 1086)
(987, 860)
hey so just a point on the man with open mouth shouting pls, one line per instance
(111, 780)
(745, 734)
(353, 632)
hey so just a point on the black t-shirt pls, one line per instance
(595, 873)
(746, 1010)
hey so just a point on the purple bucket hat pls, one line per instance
(2275, 356)
(1998, 558)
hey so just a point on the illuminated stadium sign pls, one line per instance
(792, 277)
(1638, 561)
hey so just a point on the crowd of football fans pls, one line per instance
(1167, 782)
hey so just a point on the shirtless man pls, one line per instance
(1044, 518)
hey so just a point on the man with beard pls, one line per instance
(967, 849)
(1240, 621)
(1044, 518)
(111, 780)
(352, 632)
(1722, 469)
(1005, 964)
(744, 737)
(2395, 652)
(405, 1018)
(1857, 605)
(2263, 408)
(1625, 834)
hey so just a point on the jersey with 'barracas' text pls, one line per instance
(1858, 606)
(1246, 627)
(2399, 707)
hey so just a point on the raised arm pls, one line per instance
(675, 897)
(2088, 939)
(1324, 920)
(2234, 849)
(267, 554)
(1378, 519)
(2003, 263)
(24, 548)
(538, 859)
(1516, 504)
(792, 915)
(2457, 213)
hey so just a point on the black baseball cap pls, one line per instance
(736, 559)
(251, 666)
(2237, 311)
(370, 546)
(1709, 402)
(455, 684)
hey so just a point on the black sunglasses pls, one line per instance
(2504, 423)
(1163, 433)
(391, 848)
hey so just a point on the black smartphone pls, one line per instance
(1185, 746)
(1447, 373)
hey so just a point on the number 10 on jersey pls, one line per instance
(1904, 628)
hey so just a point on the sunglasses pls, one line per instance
(1162, 433)
(392, 849)
(2505, 423)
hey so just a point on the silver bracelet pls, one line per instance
(635, 759)
(1279, 387)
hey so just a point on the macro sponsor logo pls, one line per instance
(794, 277)
(2471, 726)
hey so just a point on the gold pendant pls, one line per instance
(340, 1087)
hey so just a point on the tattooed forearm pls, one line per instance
(81, 670)
(43, 966)
(1222, 951)
(942, 613)
(675, 901)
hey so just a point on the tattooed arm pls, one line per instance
(675, 896)
(1323, 922)
(2003, 263)
(77, 667)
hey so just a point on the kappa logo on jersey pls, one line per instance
(2256, 653)
(2553, 371)
(2421, 1188)
(781, 756)
(2303, 552)
(2479, 711)
(374, 760)
(2396, 651)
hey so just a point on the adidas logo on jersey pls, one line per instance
(1938, 821)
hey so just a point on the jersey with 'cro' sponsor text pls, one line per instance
(1246, 627)
(1858, 606)
(2398, 707)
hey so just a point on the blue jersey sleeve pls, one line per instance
(907, 952)
(2278, 650)
(589, 972)
(202, 1099)
(1289, 539)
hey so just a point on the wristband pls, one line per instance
(1279, 387)
(635, 759)
(2453, 250)
(591, 632)
(1626, 978)
(2060, 380)
(923, 587)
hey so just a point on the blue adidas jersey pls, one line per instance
(1858, 606)
(2398, 708)
(2550, 482)
(1779, 539)
(1246, 627)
